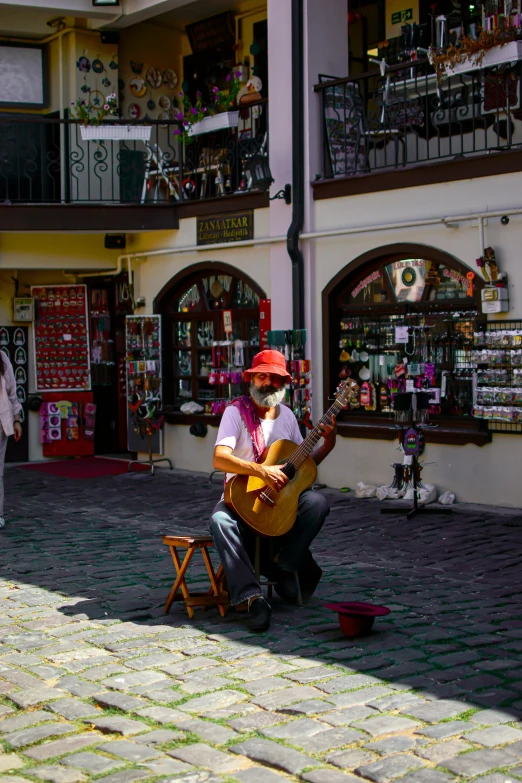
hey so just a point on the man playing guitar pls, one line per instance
(249, 425)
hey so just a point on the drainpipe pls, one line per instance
(298, 186)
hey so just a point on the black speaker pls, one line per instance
(110, 37)
(115, 241)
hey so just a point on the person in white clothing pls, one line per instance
(10, 409)
(249, 425)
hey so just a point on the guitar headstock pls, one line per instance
(346, 391)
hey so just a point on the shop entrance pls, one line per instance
(110, 300)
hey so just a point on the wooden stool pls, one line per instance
(216, 596)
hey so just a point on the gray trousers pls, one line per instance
(234, 541)
(3, 446)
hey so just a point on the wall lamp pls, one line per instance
(106, 3)
(260, 176)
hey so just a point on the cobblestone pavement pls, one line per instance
(97, 683)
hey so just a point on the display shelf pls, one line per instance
(61, 342)
(498, 377)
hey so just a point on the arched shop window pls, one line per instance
(192, 306)
(404, 318)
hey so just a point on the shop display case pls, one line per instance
(144, 382)
(13, 342)
(497, 355)
(403, 324)
(61, 338)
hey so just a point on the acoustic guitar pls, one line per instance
(271, 513)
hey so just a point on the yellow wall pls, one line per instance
(254, 12)
(55, 251)
(159, 47)
(392, 6)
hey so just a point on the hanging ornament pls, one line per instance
(97, 66)
(255, 48)
(83, 65)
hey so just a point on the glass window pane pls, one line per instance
(181, 333)
(190, 300)
(183, 389)
(182, 363)
(216, 289)
(414, 279)
(205, 333)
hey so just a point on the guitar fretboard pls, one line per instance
(309, 443)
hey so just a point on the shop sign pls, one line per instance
(216, 32)
(366, 282)
(402, 16)
(409, 263)
(235, 227)
(227, 321)
(462, 279)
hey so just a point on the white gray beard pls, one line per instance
(266, 400)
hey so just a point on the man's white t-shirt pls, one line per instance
(233, 432)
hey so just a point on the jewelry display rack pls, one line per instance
(411, 417)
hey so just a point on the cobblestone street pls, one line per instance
(96, 682)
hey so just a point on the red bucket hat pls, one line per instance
(269, 361)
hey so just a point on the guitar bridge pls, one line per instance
(266, 499)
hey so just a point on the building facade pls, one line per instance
(407, 179)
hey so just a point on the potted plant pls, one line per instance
(91, 119)
(221, 112)
(490, 48)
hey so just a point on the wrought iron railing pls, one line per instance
(46, 161)
(407, 116)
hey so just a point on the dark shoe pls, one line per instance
(260, 614)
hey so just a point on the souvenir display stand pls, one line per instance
(497, 355)
(67, 424)
(292, 344)
(61, 338)
(144, 387)
(411, 418)
(13, 342)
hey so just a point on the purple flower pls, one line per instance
(180, 93)
(193, 110)
(203, 108)
(185, 124)
(82, 103)
(229, 77)
(215, 89)
(237, 73)
(180, 116)
(177, 132)
(198, 94)
(73, 103)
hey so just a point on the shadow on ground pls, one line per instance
(452, 582)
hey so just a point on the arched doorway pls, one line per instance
(403, 317)
(201, 361)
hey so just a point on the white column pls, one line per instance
(325, 52)
(280, 145)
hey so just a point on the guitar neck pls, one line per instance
(309, 443)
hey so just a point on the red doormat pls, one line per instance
(85, 467)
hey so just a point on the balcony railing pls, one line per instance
(46, 161)
(408, 117)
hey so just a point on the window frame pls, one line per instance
(164, 305)
(456, 430)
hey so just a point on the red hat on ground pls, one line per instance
(269, 361)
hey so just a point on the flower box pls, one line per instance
(227, 119)
(499, 55)
(115, 132)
